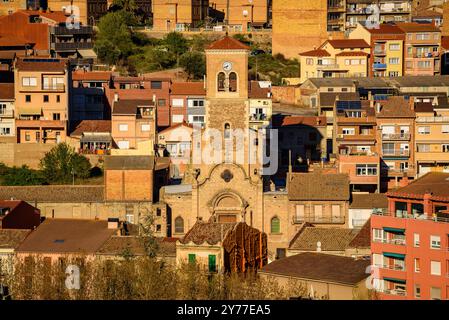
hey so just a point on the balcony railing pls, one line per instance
(417, 216)
(432, 119)
(380, 66)
(258, 117)
(60, 46)
(396, 267)
(395, 136)
(61, 31)
(399, 153)
(7, 114)
(399, 242)
(395, 292)
(54, 87)
(332, 66)
(318, 219)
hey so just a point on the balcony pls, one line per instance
(72, 46)
(394, 292)
(396, 153)
(380, 66)
(64, 31)
(312, 219)
(415, 216)
(258, 117)
(328, 67)
(54, 87)
(395, 241)
(396, 267)
(56, 124)
(432, 119)
(396, 136)
(7, 114)
(380, 52)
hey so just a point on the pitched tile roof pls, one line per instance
(117, 245)
(13, 41)
(435, 182)
(332, 239)
(396, 107)
(445, 42)
(6, 91)
(207, 232)
(286, 121)
(327, 99)
(417, 27)
(129, 162)
(348, 43)
(315, 53)
(255, 91)
(320, 266)
(67, 236)
(81, 75)
(385, 28)
(227, 43)
(316, 186)
(41, 64)
(351, 54)
(424, 107)
(129, 106)
(12, 238)
(368, 201)
(91, 126)
(363, 238)
(53, 193)
(188, 88)
(56, 16)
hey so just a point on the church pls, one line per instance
(230, 184)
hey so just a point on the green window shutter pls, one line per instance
(192, 258)
(275, 225)
(212, 263)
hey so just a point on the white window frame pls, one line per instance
(435, 268)
(123, 127)
(145, 127)
(435, 242)
(416, 240)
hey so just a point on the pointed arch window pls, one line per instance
(233, 82)
(221, 82)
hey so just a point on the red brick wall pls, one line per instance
(284, 94)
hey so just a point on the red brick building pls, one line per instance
(409, 242)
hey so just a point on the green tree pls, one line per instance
(194, 63)
(176, 44)
(127, 5)
(22, 176)
(61, 163)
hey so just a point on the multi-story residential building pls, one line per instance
(133, 122)
(89, 11)
(396, 136)
(422, 49)
(187, 101)
(178, 15)
(355, 142)
(242, 15)
(410, 241)
(48, 31)
(336, 59)
(88, 97)
(386, 42)
(41, 87)
(431, 138)
(260, 104)
(7, 122)
(11, 6)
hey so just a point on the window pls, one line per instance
(379, 235)
(299, 214)
(29, 82)
(45, 97)
(445, 128)
(27, 136)
(435, 268)
(318, 211)
(423, 147)
(161, 102)
(56, 116)
(280, 253)
(227, 131)
(395, 47)
(435, 242)
(2, 108)
(348, 131)
(156, 84)
(275, 225)
(417, 265)
(435, 293)
(179, 225)
(196, 103)
(158, 228)
(212, 263)
(123, 127)
(58, 98)
(422, 36)
(393, 73)
(424, 130)
(197, 119)
(28, 98)
(417, 291)
(158, 212)
(388, 148)
(192, 258)
(424, 64)
(177, 118)
(335, 211)
(445, 147)
(124, 144)
(233, 82)
(393, 61)
(177, 102)
(145, 127)
(129, 218)
(416, 240)
(221, 79)
(366, 170)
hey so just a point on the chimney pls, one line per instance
(116, 97)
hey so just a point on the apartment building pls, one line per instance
(355, 141)
(260, 104)
(242, 15)
(178, 15)
(187, 100)
(396, 136)
(422, 49)
(133, 121)
(387, 46)
(89, 11)
(409, 242)
(41, 88)
(431, 138)
(7, 121)
(48, 31)
(336, 59)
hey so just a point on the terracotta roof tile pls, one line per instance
(91, 126)
(320, 266)
(53, 193)
(188, 89)
(385, 28)
(351, 54)
(255, 91)
(368, 201)
(435, 182)
(227, 43)
(56, 16)
(363, 238)
(285, 121)
(91, 75)
(6, 91)
(316, 186)
(396, 107)
(129, 106)
(332, 239)
(445, 42)
(41, 64)
(417, 27)
(315, 53)
(348, 43)
(118, 245)
(12, 238)
(207, 232)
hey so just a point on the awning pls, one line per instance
(96, 138)
(395, 280)
(394, 255)
(394, 230)
(87, 53)
(30, 111)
